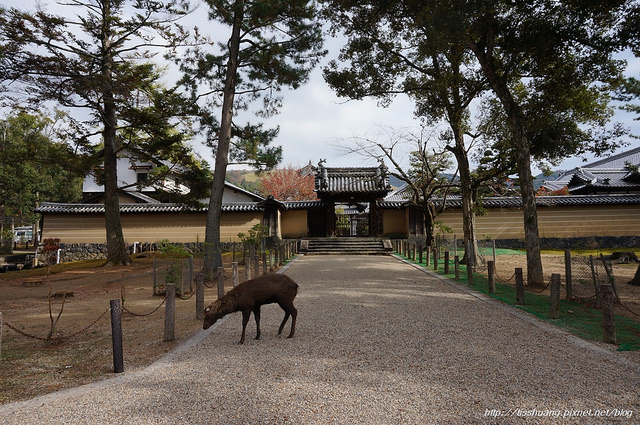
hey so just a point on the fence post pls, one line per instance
(264, 262)
(470, 259)
(190, 277)
(0, 336)
(608, 319)
(446, 262)
(220, 282)
(420, 254)
(435, 260)
(155, 276)
(234, 273)
(519, 287)
(554, 302)
(170, 312)
(233, 247)
(568, 278)
(456, 267)
(594, 276)
(116, 336)
(256, 265)
(199, 296)
(491, 270)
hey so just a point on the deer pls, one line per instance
(250, 295)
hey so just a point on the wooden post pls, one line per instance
(190, 276)
(116, 336)
(446, 262)
(256, 265)
(470, 259)
(233, 248)
(220, 282)
(247, 268)
(519, 287)
(234, 273)
(456, 267)
(491, 270)
(170, 312)
(264, 262)
(199, 296)
(554, 302)
(435, 260)
(568, 278)
(608, 318)
(594, 276)
(427, 253)
(155, 275)
(276, 253)
(0, 336)
(420, 254)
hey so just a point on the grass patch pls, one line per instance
(579, 319)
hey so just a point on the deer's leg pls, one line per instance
(245, 320)
(289, 310)
(286, 316)
(294, 315)
(256, 314)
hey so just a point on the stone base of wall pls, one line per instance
(95, 251)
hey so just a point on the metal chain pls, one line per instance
(61, 338)
(143, 315)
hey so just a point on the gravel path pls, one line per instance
(377, 342)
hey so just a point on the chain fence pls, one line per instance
(57, 289)
(584, 273)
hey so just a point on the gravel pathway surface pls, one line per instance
(377, 342)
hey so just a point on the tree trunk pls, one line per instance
(468, 201)
(213, 254)
(636, 278)
(523, 159)
(116, 249)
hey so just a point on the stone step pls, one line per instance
(337, 246)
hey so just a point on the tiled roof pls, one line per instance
(606, 175)
(541, 201)
(58, 208)
(301, 205)
(334, 181)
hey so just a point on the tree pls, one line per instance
(98, 59)
(388, 52)
(550, 66)
(32, 167)
(425, 175)
(272, 44)
(286, 184)
(548, 63)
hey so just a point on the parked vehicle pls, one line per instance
(23, 235)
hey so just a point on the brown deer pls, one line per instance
(250, 295)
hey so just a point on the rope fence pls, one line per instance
(181, 274)
(582, 280)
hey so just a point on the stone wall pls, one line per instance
(93, 251)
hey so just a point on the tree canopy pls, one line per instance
(34, 167)
(272, 45)
(98, 59)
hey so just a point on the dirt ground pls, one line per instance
(30, 367)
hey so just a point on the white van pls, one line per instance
(23, 234)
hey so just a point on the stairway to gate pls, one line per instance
(337, 246)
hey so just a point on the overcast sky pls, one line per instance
(314, 121)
